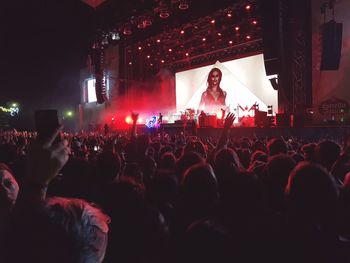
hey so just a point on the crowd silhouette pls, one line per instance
(173, 198)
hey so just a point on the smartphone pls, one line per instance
(46, 122)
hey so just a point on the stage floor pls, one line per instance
(309, 132)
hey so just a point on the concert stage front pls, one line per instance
(309, 132)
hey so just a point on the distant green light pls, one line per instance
(69, 113)
(14, 105)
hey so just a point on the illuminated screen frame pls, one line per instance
(247, 76)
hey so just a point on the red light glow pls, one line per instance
(212, 21)
(128, 120)
(237, 28)
(247, 7)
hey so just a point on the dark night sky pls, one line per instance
(43, 46)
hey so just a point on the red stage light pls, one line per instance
(230, 42)
(203, 39)
(229, 14)
(237, 28)
(130, 63)
(182, 32)
(112, 119)
(187, 54)
(128, 119)
(162, 61)
(158, 40)
(212, 21)
(148, 56)
(247, 7)
(248, 37)
(254, 22)
(139, 48)
(170, 50)
(219, 34)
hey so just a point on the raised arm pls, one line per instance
(44, 161)
(225, 131)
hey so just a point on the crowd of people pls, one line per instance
(173, 198)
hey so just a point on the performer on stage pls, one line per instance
(213, 99)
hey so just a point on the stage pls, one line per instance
(310, 132)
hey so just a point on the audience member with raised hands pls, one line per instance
(225, 131)
(45, 160)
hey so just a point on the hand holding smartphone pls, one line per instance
(46, 123)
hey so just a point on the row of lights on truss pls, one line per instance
(146, 21)
(186, 54)
(204, 39)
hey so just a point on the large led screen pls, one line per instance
(243, 84)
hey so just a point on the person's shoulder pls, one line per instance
(205, 93)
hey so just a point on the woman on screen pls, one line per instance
(213, 98)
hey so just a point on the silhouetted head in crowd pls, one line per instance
(206, 241)
(63, 230)
(142, 144)
(137, 229)
(258, 156)
(8, 196)
(108, 166)
(8, 189)
(196, 146)
(167, 161)
(164, 188)
(244, 195)
(187, 160)
(277, 174)
(309, 151)
(244, 157)
(134, 171)
(258, 146)
(226, 165)
(199, 190)
(276, 146)
(327, 152)
(311, 194)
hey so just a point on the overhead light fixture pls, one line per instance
(104, 41)
(127, 30)
(183, 5)
(147, 21)
(115, 36)
(164, 13)
(141, 24)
